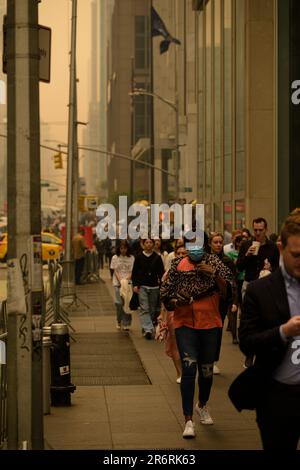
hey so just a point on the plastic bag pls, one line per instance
(161, 331)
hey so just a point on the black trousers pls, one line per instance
(278, 417)
(79, 265)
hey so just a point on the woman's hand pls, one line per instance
(206, 269)
(267, 265)
(136, 289)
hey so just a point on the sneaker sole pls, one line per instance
(206, 424)
(201, 421)
(189, 436)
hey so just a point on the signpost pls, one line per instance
(44, 49)
(45, 53)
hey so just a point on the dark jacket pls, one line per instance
(264, 309)
(254, 264)
(147, 270)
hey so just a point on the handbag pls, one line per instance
(247, 388)
(134, 301)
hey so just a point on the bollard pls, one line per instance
(61, 386)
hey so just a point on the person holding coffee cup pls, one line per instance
(256, 246)
(257, 255)
(254, 253)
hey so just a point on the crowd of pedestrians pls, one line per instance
(184, 294)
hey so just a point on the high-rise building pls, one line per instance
(236, 71)
(129, 118)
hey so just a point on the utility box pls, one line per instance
(61, 386)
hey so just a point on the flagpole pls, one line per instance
(132, 166)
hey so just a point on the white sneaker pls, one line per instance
(189, 430)
(204, 415)
(178, 380)
(216, 370)
(118, 326)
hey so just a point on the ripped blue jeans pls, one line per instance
(197, 349)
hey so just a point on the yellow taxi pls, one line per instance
(51, 246)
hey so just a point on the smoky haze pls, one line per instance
(54, 96)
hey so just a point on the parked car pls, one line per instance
(51, 247)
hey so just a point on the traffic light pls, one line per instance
(58, 163)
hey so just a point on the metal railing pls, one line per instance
(91, 267)
(3, 375)
(55, 313)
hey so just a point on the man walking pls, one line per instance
(259, 254)
(270, 330)
(147, 272)
(256, 255)
(79, 249)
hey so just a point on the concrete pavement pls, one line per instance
(135, 417)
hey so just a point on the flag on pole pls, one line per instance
(159, 29)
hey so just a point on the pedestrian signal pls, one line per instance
(58, 163)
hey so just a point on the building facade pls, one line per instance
(222, 98)
(129, 117)
(3, 121)
(224, 74)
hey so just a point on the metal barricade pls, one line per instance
(91, 267)
(3, 375)
(55, 312)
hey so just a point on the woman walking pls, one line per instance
(121, 265)
(193, 290)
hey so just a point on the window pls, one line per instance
(239, 213)
(142, 114)
(227, 215)
(201, 113)
(240, 97)
(142, 45)
(208, 102)
(227, 96)
(217, 101)
(217, 217)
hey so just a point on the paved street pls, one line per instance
(134, 415)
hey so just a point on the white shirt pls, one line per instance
(123, 265)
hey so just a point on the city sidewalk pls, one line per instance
(145, 416)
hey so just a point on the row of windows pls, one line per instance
(221, 108)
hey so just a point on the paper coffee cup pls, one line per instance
(257, 245)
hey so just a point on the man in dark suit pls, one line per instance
(253, 259)
(270, 330)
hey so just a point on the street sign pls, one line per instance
(45, 53)
(44, 48)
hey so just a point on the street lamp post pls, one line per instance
(174, 106)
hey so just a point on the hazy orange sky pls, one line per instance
(54, 96)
